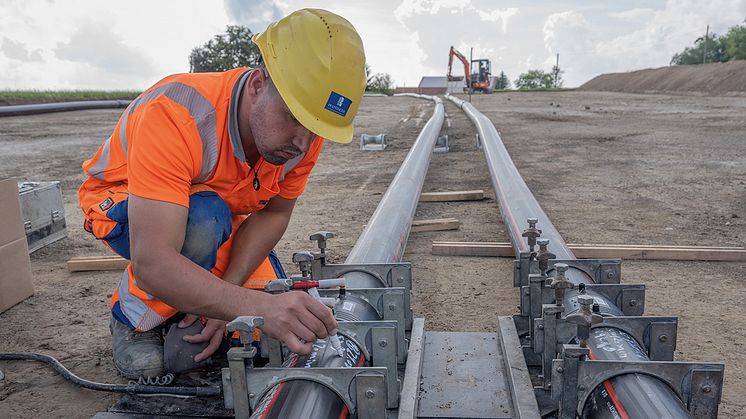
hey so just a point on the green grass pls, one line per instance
(21, 97)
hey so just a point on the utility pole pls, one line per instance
(556, 72)
(704, 51)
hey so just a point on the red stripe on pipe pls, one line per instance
(612, 393)
(279, 389)
(343, 414)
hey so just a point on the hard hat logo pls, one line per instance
(338, 104)
(316, 60)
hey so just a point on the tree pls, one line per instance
(736, 43)
(716, 51)
(535, 79)
(381, 83)
(502, 82)
(556, 75)
(225, 51)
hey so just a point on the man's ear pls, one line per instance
(256, 83)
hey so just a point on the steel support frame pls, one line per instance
(517, 204)
(575, 377)
(602, 271)
(391, 304)
(388, 274)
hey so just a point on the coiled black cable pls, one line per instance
(132, 388)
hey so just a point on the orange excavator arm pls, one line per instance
(453, 52)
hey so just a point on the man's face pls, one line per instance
(278, 136)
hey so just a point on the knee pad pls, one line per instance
(208, 227)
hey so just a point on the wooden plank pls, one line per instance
(96, 263)
(475, 195)
(472, 249)
(604, 251)
(441, 224)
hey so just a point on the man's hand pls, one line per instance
(212, 332)
(295, 316)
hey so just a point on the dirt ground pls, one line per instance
(607, 168)
(721, 79)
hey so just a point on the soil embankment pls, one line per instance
(716, 79)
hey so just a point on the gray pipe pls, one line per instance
(382, 241)
(16, 110)
(638, 395)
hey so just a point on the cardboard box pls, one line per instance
(15, 265)
(11, 222)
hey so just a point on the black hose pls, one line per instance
(114, 388)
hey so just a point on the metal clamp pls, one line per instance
(630, 298)
(239, 361)
(304, 260)
(388, 274)
(441, 144)
(531, 233)
(655, 334)
(370, 142)
(357, 387)
(321, 237)
(379, 343)
(390, 304)
(602, 271)
(585, 318)
(699, 385)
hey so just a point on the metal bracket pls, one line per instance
(388, 274)
(441, 144)
(370, 142)
(522, 268)
(391, 304)
(657, 334)
(630, 298)
(379, 343)
(602, 271)
(548, 347)
(371, 390)
(699, 385)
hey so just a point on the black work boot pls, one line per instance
(136, 354)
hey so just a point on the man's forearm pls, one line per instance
(187, 287)
(253, 241)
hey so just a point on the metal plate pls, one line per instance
(461, 379)
(43, 213)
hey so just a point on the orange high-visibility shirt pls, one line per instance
(181, 132)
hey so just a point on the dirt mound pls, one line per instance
(717, 79)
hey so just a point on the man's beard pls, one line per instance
(275, 157)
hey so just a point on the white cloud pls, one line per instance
(255, 14)
(409, 8)
(633, 15)
(17, 51)
(499, 15)
(94, 44)
(139, 41)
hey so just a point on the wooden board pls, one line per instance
(441, 224)
(96, 263)
(475, 195)
(601, 251)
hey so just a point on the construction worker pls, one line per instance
(198, 181)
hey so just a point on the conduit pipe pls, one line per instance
(382, 241)
(16, 110)
(633, 395)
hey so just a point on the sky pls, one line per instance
(104, 44)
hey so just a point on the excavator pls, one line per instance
(477, 77)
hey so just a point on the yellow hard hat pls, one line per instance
(316, 60)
